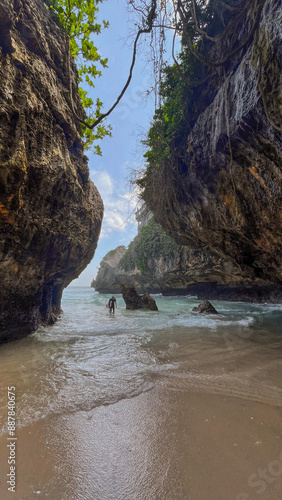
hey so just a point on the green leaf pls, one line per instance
(79, 20)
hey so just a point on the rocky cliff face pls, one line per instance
(224, 190)
(109, 277)
(155, 265)
(185, 272)
(50, 212)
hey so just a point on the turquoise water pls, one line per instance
(90, 358)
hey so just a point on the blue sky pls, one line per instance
(122, 152)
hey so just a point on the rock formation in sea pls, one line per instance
(50, 211)
(205, 308)
(220, 189)
(108, 279)
(135, 301)
(154, 263)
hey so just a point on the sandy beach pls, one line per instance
(142, 407)
(127, 204)
(163, 444)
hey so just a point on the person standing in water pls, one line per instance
(112, 304)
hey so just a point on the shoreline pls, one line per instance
(196, 293)
(253, 294)
(163, 444)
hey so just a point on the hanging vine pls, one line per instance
(197, 22)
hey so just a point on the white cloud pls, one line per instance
(119, 206)
(103, 182)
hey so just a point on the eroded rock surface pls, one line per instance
(226, 197)
(50, 211)
(205, 308)
(170, 276)
(109, 276)
(135, 301)
(182, 271)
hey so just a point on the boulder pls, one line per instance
(205, 307)
(135, 301)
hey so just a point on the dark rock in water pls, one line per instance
(135, 301)
(50, 211)
(205, 307)
(148, 302)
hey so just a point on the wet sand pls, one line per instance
(164, 444)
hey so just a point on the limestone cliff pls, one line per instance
(154, 263)
(50, 212)
(220, 191)
(108, 278)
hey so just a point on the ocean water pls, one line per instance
(90, 358)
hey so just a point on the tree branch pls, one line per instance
(149, 21)
(190, 83)
(199, 56)
(196, 20)
(229, 7)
